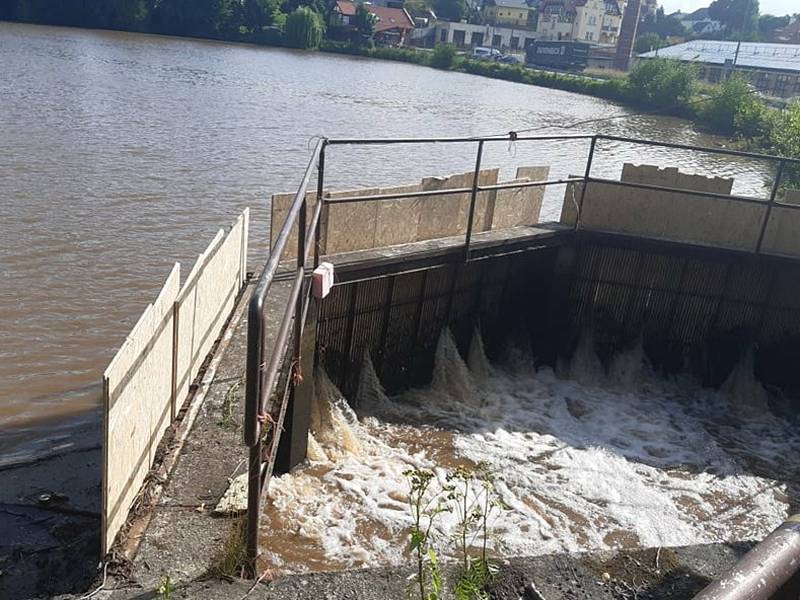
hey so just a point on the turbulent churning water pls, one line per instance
(584, 460)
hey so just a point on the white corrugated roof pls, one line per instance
(785, 57)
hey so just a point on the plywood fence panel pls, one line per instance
(206, 299)
(188, 345)
(398, 220)
(137, 398)
(351, 226)
(781, 236)
(444, 216)
(279, 210)
(677, 216)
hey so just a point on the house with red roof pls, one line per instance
(393, 26)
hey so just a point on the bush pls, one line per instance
(785, 140)
(304, 29)
(733, 108)
(410, 55)
(647, 42)
(444, 56)
(663, 83)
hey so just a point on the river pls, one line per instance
(122, 153)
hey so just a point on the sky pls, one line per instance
(772, 7)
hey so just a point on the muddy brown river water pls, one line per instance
(122, 153)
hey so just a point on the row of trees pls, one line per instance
(740, 20)
(255, 20)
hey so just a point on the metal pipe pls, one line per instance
(473, 198)
(586, 175)
(255, 311)
(773, 194)
(763, 571)
(705, 149)
(253, 506)
(313, 233)
(701, 194)
(452, 140)
(451, 191)
(320, 193)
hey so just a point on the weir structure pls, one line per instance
(698, 273)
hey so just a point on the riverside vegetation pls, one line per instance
(469, 495)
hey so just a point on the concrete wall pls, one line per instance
(362, 225)
(150, 375)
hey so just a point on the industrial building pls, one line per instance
(774, 69)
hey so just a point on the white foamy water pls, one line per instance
(595, 462)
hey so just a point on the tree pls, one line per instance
(661, 24)
(443, 56)
(450, 10)
(364, 22)
(735, 15)
(767, 24)
(663, 83)
(193, 17)
(648, 42)
(733, 107)
(415, 7)
(785, 138)
(304, 29)
(8, 9)
(261, 13)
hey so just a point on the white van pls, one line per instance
(481, 53)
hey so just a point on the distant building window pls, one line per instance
(514, 42)
(592, 20)
(443, 35)
(781, 83)
(589, 36)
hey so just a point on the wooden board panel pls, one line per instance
(443, 216)
(351, 226)
(137, 393)
(398, 220)
(205, 301)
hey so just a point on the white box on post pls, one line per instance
(322, 280)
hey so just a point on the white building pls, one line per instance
(467, 35)
(699, 22)
(593, 21)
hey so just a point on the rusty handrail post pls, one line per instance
(586, 175)
(762, 572)
(773, 194)
(473, 198)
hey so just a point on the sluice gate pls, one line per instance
(699, 274)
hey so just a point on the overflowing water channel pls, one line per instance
(589, 458)
(122, 153)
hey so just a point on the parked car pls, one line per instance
(481, 53)
(508, 59)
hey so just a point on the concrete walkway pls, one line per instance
(654, 574)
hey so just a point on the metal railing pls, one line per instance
(262, 377)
